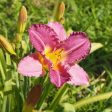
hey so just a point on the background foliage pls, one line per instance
(91, 16)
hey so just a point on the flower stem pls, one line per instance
(57, 97)
(46, 91)
(27, 108)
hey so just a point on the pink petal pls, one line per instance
(42, 35)
(59, 77)
(76, 47)
(30, 66)
(78, 76)
(58, 28)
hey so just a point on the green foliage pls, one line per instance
(91, 16)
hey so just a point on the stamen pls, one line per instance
(54, 56)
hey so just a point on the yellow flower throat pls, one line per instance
(54, 56)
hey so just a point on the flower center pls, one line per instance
(54, 56)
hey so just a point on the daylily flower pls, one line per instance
(56, 53)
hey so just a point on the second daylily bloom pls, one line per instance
(57, 53)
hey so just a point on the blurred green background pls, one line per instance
(91, 16)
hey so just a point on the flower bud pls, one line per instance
(32, 98)
(23, 15)
(4, 43)
(95, 46)
(22, 19)
(61, 10)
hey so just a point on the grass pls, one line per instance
(91, 16)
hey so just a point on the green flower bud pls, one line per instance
(61, 10)
(22, 19)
